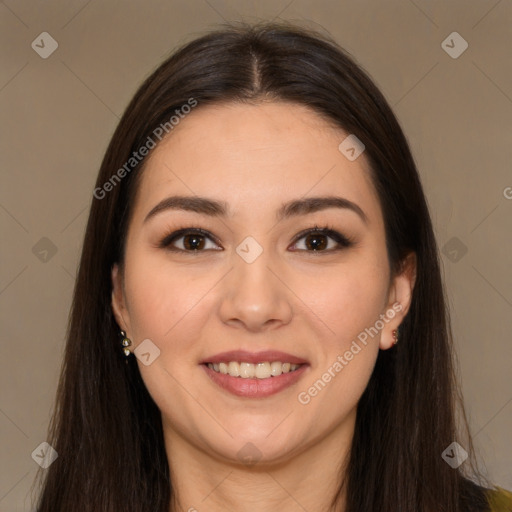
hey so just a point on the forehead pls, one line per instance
(255, 157)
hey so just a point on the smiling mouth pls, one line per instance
(244, 370)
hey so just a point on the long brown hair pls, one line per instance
(106, 428)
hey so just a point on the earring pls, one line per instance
(125, 342)
(395, 336)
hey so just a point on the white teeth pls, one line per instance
(234, 369)
(276, 368)
(249, 370)
(246, 370)
(262, 371)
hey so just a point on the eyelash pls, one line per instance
(343, 241)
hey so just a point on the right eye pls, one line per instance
(190, 239)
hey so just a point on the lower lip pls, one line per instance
(255, 388)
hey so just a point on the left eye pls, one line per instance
(316, 241)
(322, 240)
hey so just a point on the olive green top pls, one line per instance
(500, 500)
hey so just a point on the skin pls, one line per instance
(312, 305)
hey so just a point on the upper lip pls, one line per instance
(254, 357)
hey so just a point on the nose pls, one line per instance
(254, 297)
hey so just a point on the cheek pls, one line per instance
(165, 307)
(349, 298)
(160, 301)
(350, 305)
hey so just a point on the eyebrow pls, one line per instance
(214, 208)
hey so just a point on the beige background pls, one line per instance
(59, 113)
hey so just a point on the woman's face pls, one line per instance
(251, 283)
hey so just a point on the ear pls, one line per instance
(118, 300)
(399, 299)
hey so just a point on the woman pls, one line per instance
(258, 321)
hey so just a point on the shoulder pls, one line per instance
(500, 500)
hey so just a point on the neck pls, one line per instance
(307, 480)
